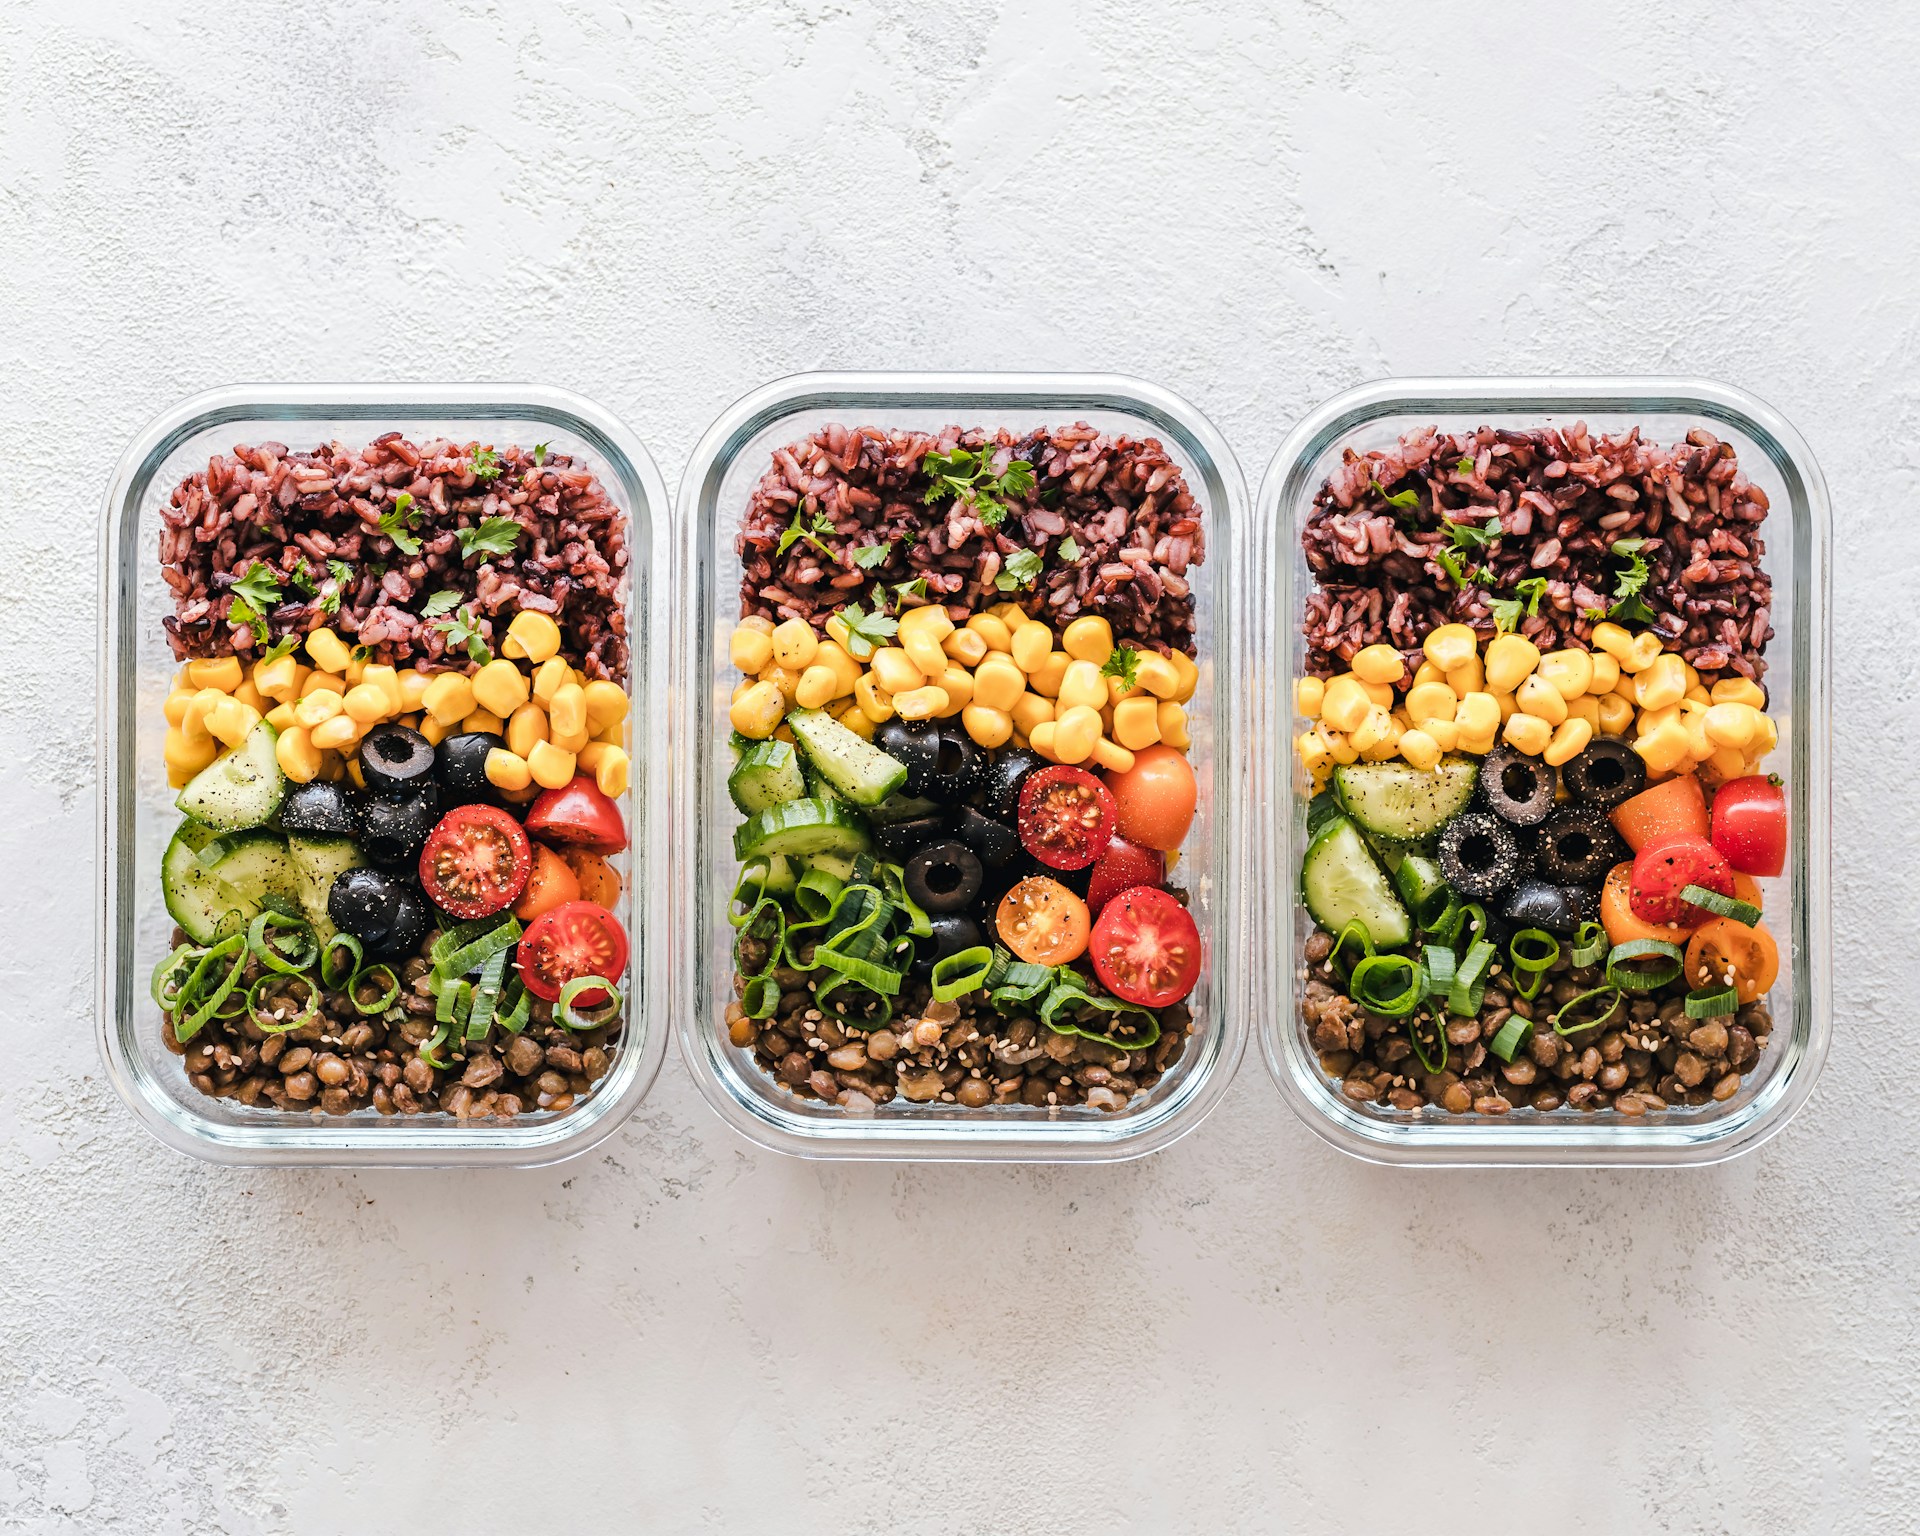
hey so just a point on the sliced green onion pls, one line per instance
(1445, 922)
(513, 1017)
(333, 977)
(1469, 987)
(1625, 971)
(471, 950)
(871, 974)
(764, 932)
(1355, 933)
(748, 889)
(760, 997)
(1511, 1035)
(1589, 944)
(451, 1002)
(1721, 906)
(816, 891)
(1016, 981)
(957, 974)
(1563, 1024)
(1712, 1004)
(1527, 984)
(1427, 1063)
(276, 1026)
(430, 1047)
(486, 995)
(290, 958)
(386, 999)
(202, 1012)
(1389, 985)
(846, 1002)
(1441, 965)
(566, 1014)
(1070, 990)
(180, 963)
(1543, 949)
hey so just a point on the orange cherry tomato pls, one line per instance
(599, 880)
(1618, 918)
(1667, 810)
(1723, 950)
(1747, 889)
(551, 884)
(1043, 922)
(1154, 799)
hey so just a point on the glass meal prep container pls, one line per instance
(714, 497)
(1797, 532)
(137, 813)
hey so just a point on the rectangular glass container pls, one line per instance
(1797, 532)
(136, 806)
(730, 459)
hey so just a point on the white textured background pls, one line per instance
(663, 204)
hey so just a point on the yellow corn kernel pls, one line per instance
(507, 770)
(1378, 664)
(990, 727)
(758, 711)
(356, 773)
(816, 688)
(1643, 653)
(1189, 674)
(1013, 616)
(925, 652)
(612, 772)
(449, 697)
(413, 689)
(1765, 738)
(434, 730)
(749, 649)
(1156, 674)
(1431, 701)
(1586, 708)
(484, 720)
(1510, 659)
(607, 703)
(1419, 749)
(526, 726)
(1665, 748)
(875, 703)
(1031, 645)
(337, 734)
(1075, 732)
(1732, 725)
(327, 651)
(851, 717)
(188, 756)
(1698, 695)
(379, 675)
(1527, 733)
(993, 630)
(1738, 690)
(1538, 697)
(367, 703)
(251, 696)
(567, 713)
(1507, 706)
(1449, 646)
(929, 619)
(1444, 734)
(1570, 739)
(1081, 683)
(1652, 719)
(280, 717)
(1606, 673)
(322, 682)
(1427, 672)
(1047, 677)
(957, 682)
(837, 631)
(501, 687)
(193, 719)
(794, 643)
(1030, 710)
(1111, 756)
(1478, 714)
(783, 678)
(1616, 715)
(1700, 746)
(176, 706)
(548, 678)
(1345, 703)
(966, 646)
(831, 655)
(1569, 670)
(1308, 692)
(1374, 729)
(1314, 756)
(298, 757)
(1469, 677)
(278, 679)
(231, 720)
(531, 637)
(1042, 738)
(998, 683)
(924, 703)
(1628, 688)
(1662, 683)
(1172, 719)
(758, 623)
(221, 672)
(1136, 723)
(1614, 640)
(356, 666)
(1088, 638)
(1338, 745)
(548, 765)
(895, 672)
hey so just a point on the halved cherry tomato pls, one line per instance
(552, 883)
(1750, 824)
(1667, 810)
(1146, 949)
(1154, 799)
(578, 814)
(1043, 922)
(599, 880)
(475, 862)
(1123, 866)
(1066, 817)
(1668, 865)
(1616, 912)
(1723, 951)
(1747, 889)
(579, 939)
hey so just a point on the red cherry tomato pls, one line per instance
(579, 939)
(1123, 866)
(475, 862)
(1154, 799)
(1665, 867)
(578, 814)
(1066, 817)
(1750, 824)
(1145, 948)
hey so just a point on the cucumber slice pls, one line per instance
(902, 808)
(1402, 802)
(782, 875)
(801, 827)
(851, 764)
(839, 865)
(240, 789)
(1320, 809)
(195, 898)
(211, 898)
(1417, 877)
(1340, 881)
(319, 860)
(768, 773)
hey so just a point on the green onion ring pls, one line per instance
(1014, 981)
(181, 963)
(962, 972)
(1356, 931)
(513, 1017)
(835, 999)
(766, 925)
(333, 979)
(1427, 1063)
(1510, 1037)
(1441, 965)
(387, 998)
(291, 961)
(815, 893)
(1395, 971)
(870, 974)
(1070, 990)
(1527, 984)
(565, 1014)
(1562, 1028)
(233, 948)
(1712, 1003)
(1533, 962)
(473, 953)
(267, 1022)
(1622, 973)
(430, 1047)
(486, 995)
(452, 1001)
(1469, 982)
(1721, 906)
(1589, 944)
(760, 997)
(748, 889)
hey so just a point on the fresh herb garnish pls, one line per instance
(962, 476)
(301, 580)
(814, 527)
(486, 464)
(443, 601)
(494, 536)
(240, 611)
(1472, 536)
(1405, 500)
(540, 454)
(866, 632)
(1067, 549)
(1465, 466)
(1124, 664)
(339, 576)
(1021, 570)
(259, 586)
(281, 647)
(395, 523)
(463, 628)
(360, 653)
(867, 556)
(906, 589)
(1628, 584)
(1507, 610)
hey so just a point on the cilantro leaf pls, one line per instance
(1628, 584)
(486, 464)
(259, 586)
(1506, 614)
(339, 578)
(1472, 536)
(444, 601)
(340, 571)
(906, 589)
(240, 611)
(540, 454)
(1124, 664)
(1068, 549)
(1526, 597)
(1405, 500)
(867, 556)
(1465, 466)
(494, 536)
(463, 628)
(962, 476)
(1021, 570)
(396, 522)
(1449, 562)
(811, 530)
(301, 580)
(866, 632)
(281, 647)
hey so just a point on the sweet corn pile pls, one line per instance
(554, 721)
(1080, 700)
(1465, 697)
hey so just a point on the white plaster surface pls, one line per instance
(663, 204)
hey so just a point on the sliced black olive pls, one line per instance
(1578, 845)
(956, 764)
(379, 909)
(1478, 855)
(1606, 773)
(319, 809)
(944, 878)
(414, 919)
(1516, 788)
(1536, 904)
(994, 841)
(899, 840)
(462, 766)
(952, 932)
(1002, 778)
(394, 831)
(917, 744)
(393, 758)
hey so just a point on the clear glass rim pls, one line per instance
(983, 1139)
(405, 1142)
(1467, 1142)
